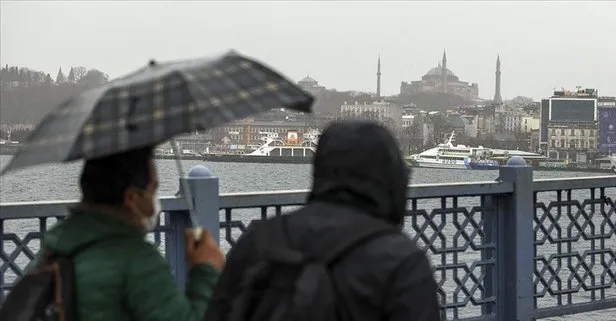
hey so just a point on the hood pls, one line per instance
(359, 164)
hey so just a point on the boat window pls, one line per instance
(298, 152)
(287, 152)
(275, 152)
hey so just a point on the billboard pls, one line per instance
(607, 130)
(573, 109)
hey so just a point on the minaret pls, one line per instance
(378, 79)
(444, 72)
(497, 92)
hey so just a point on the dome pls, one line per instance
(308, 80)
(436, 71)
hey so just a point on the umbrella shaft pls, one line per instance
(187, 192)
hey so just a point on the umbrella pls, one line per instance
(156, 103)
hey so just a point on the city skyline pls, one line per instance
(536, 57)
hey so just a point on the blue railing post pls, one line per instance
(204, 189)
(515, 259)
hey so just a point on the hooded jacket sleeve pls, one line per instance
(151, 293)
(412, 291)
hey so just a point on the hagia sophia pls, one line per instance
(441, 79)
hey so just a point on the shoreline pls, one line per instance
(236, 158)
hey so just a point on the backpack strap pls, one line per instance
(330, 248)
(273, 243)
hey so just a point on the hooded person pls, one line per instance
(358, 171)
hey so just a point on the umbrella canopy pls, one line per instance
(156, 103)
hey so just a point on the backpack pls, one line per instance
(287, 284)
(46, 293)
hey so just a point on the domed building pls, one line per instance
(442, 80)
(310, 85)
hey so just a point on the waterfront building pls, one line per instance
(568, 125)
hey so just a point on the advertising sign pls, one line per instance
(607, 130)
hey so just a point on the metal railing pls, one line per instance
(511, 249)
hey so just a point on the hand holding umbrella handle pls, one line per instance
(197, 232)
(204, 249)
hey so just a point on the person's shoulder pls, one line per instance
(386, 253)
(397, 246)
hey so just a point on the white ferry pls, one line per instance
(454, 157)
(465, 157)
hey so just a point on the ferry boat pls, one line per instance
(276, 150)
(465, 157)
(448, 156)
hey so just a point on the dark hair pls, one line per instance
(105, 180)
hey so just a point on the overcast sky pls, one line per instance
(543, 45)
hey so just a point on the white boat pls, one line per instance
(454, 157)
(465, 157)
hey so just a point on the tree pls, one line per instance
(93, 78)
(80, 72)
(441, 126)
(520, 101)
(71, 75)
(413, 135)
(60, 78)
(48, 79)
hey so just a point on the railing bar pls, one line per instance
(559, 246)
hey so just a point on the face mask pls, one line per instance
(151, 222)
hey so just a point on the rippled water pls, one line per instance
(60, 182)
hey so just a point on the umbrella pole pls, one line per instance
(187, 192)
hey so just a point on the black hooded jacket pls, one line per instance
(358, 170)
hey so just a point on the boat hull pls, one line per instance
(469, 165)
(437, 164)
(482, 164)
(225, 158)
(183, 157)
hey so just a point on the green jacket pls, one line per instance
(124, 277)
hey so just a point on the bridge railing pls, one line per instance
(510, 249)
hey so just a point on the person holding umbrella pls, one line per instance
(121, 276)
(114, 273)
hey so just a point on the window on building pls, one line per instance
(572, 132)
(562, 132)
